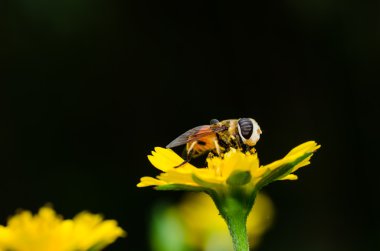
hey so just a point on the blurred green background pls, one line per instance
(89, 87)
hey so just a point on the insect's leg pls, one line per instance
(242, 146)
(217, 147)
(184, 162)
(191, 147)
(184, 153)
(238, 143)
(188, 154)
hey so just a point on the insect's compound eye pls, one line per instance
(245, 128)
(249, 131)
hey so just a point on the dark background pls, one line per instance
(89, 87)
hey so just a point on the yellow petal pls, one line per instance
(290, 177)
(259, 172)
(232, 161)
(207, 175)
(149, 181)
(165, 159)
(307, 147)
(176, 177)
(91, 230)
(295, 153)
(47, 231)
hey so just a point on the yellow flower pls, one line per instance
(232, 180)
(47, 231)
(234, 168)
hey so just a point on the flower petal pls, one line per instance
(48, 231)
(290, 177)
(282, 169)
(176, 177)
(165, 159)
(307, 147)
(149, 181)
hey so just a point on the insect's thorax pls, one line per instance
(228, 138)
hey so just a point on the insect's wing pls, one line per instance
(192, 135)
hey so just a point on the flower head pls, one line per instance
(234, 168)
(232, 180)
(47, 231)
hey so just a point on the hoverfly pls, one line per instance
(218, 137)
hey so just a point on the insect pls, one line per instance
(219, 136)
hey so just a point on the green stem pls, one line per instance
(234, 205)
(235, 212)
(238, 231)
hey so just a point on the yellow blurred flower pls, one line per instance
(233, 168)
(47, 231)
(207, 231)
